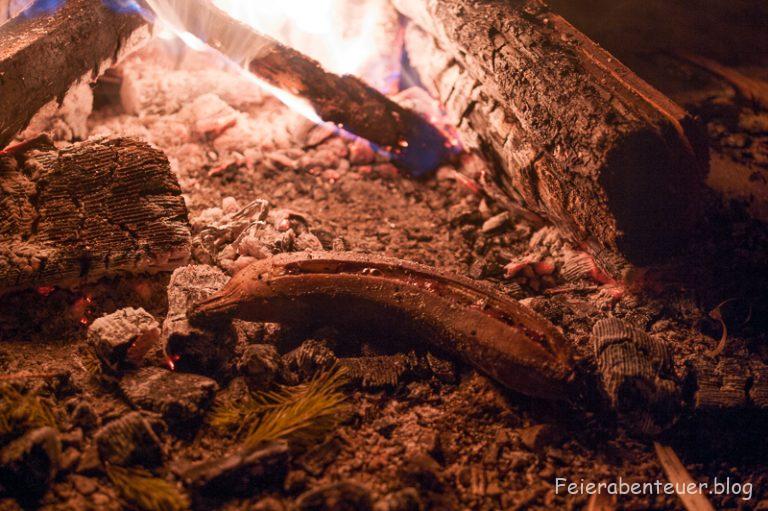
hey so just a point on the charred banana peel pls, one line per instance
(460, 317)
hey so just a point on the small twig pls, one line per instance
(679, 476)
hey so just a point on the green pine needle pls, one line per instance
(20, 411)
(145, 491)
(301, 414)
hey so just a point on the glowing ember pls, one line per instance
(45, 290)
(170, 361)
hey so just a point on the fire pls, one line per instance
(343, 35)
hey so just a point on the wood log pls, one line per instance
(637, 375)
(94, 209)
(733, 382)
(576, 137)
(43, 54)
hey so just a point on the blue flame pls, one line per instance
(41, 7)
(125, 6)
(44, 7)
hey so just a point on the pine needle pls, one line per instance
(20, 411)
(145, 491)
(302, 413)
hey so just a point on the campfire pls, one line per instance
(383, 254)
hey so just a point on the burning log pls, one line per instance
(43, 55)
(346, 101)
(458, 316)
(578, 138)
(94, 209)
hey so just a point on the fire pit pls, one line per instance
(383, 254)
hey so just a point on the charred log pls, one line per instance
(94, 209)
(44, 54)
(577, 137)
(727, 384)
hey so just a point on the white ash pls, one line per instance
(233, 238)
(65, 121)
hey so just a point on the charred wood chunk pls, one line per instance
(730, 383)
(123, 338)
(575, 136)
(239, 473)
(261, 365)
(380, 371)
(43, 55)
(99, 208)
(180, 399)
(758, 392)
(637, 375)
(29, 464)
(130, 440)
(205, 349)
(309, 358)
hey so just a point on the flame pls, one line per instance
(343, 35)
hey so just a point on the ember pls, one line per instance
(221, 287)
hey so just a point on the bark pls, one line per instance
(95, 209)
(576, 137)
(43, 54)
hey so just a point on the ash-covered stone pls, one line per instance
(239, 473)
(179, 398)
(204, 350)
(343, 496)
(309, 358)
(130, 440)
(260, 364)
(123, 338)
(30, 463)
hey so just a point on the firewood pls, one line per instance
(460, 317)
(94, 209)
(346, 101)
(731, 383)
(576, 137)
(637, 375)
(44, 54)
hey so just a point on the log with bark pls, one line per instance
(95, 209)
(44, 53)
(574, 135)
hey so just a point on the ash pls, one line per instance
(258, 180)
